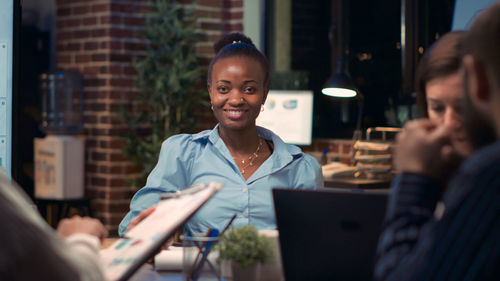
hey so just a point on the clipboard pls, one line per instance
(125, 256)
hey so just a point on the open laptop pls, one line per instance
(329, 234)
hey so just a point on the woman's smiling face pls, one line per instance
(237, 92)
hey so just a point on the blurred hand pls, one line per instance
(79, 224)
(423, 147)
(140, 217)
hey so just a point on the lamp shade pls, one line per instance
(339, 85)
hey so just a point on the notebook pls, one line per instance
(329, 234)
(124, 257)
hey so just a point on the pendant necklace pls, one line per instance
(251, 158)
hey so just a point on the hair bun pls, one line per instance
(230, 38)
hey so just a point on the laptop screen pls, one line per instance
(329, 234)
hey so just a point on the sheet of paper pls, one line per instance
(147, 236)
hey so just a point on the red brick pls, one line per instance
(210, 3)
(211, 26)
(99, 156)
(96, 33)
(110, 120)
(89, 21)
(90, 46)
(90, 70)
(119, 82)
(90, 143)
(94, 107)
(72, 23)
(121, 193)
(132, 169)
(233, 27)
(134, 21)
(230, 15)
(91, 168)
(101, 8)
(87, 95)
(233, 4)
(112, 19)
(125, 8)
(97, 181)
(117, 157)
(118, 132)
(72, 47)
(80, 34)
(81, 10)
(82, 58)
(117, 182)
(114, 69)
(90, 119)
(120, 57)
(120, 33)
(99, 57)
(114, 45)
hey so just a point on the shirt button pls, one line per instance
(244, 214)
(245, 189)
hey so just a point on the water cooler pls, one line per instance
(59, 157)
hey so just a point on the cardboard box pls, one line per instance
(59, 167)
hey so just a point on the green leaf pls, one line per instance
(167, 75)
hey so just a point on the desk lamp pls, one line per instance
(340, 85)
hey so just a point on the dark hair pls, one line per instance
(238, 45)
(443, 58)
(483, 40)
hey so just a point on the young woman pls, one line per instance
(439, 88)
(250, 161)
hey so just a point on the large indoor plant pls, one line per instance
(244, 249)
(168, 79)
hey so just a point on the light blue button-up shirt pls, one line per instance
(186, 160)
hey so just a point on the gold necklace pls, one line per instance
(251, 158)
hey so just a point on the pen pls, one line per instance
(200, 247)
(228, 224)
(206, 250)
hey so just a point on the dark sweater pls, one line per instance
(456, 236)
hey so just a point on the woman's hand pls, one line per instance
(140, 217)
(424, 147)
(85, 225)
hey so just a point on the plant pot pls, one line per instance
(238, 273)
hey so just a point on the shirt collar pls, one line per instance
(279, 144)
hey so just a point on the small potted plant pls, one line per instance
(244, 250)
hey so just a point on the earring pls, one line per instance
(212, 107)
(262, 108)
(242, 100)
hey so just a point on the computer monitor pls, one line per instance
(289, 115)
(466, 10)
(9, 23)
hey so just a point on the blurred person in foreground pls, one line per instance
(458, 238)
(32, 250)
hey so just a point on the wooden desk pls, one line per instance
(353, 183)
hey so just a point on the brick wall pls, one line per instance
(99, 39)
